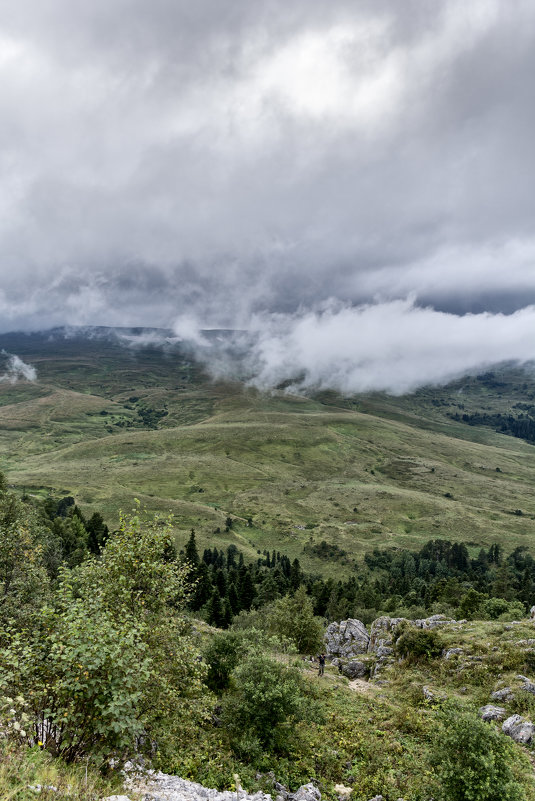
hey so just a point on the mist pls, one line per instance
(16, 369)
(293, 170)
(396, 347)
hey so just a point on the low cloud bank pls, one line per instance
(395, 347)
(16, 369)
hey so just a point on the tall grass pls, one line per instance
(24, 770)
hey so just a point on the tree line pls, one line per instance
(521, 426)
(441, 577)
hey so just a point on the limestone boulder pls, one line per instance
(381, 632)
(527, 684)
(307, 792)
(519, 729)
(355, 669)
(346, 639)
(433, 622)
(505, 694)
(449, 653)
(491, 712)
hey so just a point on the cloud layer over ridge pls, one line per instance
(303, 168)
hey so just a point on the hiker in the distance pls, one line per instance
(321, 670)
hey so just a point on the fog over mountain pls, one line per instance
(352, 182)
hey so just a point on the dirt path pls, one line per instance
(363, 687)
(355, 685)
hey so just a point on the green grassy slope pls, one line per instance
(107, 423)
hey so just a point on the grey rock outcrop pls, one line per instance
(527, 685)
(382, 642)
(346, 639)
(157, 786)
(520, 730)
(491, 712)
(116, 798)
(505, 694)
(433, 622)
(449, 652)
(307, 792)
(355, 669)
(381, 632)
(428, 694)
(350, 638)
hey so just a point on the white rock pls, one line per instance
(505, 694)
(520, 730)
(347, 639)
(491, 712)
(116, 798)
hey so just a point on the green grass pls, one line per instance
(23, 771)
(364, 472)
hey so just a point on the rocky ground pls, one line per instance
(157, 786)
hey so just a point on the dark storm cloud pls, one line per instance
(224, 163)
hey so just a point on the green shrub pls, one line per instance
(418, 644)
(108, 657)
(470, 604)
(293, 618)
(265, 701)
(473, 761)
(24, 583)
(79, 678)
(499, 608)
(222, 655)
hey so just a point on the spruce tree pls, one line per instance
(192, 555)
(215, 610)
(97, 533)
(233, 599)
(203, 588)
(246, 591)
(227, 614)
(295, 575)
(221, 582)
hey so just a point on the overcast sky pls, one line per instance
(298, 167)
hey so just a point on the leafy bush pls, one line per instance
(108, 656)
(473, 761)
(24, 583)
(418, 644)
(293, 618)
(223, 654)
(81, 677)
(265, 700)
(499, 608)
(470, 604)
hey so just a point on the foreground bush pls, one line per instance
(473, 761)
(108, 657)
(266, 699)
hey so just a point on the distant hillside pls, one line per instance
(117, 414)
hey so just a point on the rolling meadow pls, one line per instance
(107, 422)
